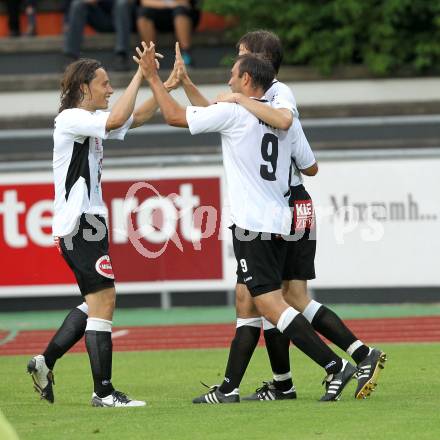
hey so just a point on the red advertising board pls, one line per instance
(165, 229)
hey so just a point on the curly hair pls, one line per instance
(77, 73)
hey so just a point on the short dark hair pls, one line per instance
(79, 72)
(265, 43)
(259, 69)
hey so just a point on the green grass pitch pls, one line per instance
(405, 405)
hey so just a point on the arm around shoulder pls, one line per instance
(280, 118)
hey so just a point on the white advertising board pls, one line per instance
(378, 223)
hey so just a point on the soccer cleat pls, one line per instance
(269, 392)
(335, 383)
(214, 395)
(369, 370)
(116, 400)
(43, 377)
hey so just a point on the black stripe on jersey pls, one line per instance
(273, 82)
(79, 166)
(292, 162)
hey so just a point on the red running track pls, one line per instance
(411, 329)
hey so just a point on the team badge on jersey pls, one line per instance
(303, 215)
(104, 267)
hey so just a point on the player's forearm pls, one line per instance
(124, 106)
(193, 94)
(172, 112)
(144, 112)
(147, 110)
(277, 118)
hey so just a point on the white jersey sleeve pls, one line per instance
(120, 132)
(302, 153)
(214, 118)
(279, 95)
(79, 122)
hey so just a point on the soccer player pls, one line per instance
(257, 166)
(79, 224)
(300, 261)
(299, 266)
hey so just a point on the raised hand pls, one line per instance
(173, 81)
(179, 65)
(147, 60)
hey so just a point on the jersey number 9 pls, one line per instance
(271, 157)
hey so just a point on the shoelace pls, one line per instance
(118, 395)
(263, 389)
(210, 387)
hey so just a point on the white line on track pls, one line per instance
(120, 334)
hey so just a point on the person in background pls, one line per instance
(179, 16)
(14, 7)
(104, 16)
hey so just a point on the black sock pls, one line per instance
(277, 346)
(360, 353)
(100, 348)
(305, 338)
(330, 325)
(70, 332)
(240, 353)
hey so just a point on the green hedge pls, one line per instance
(385, 35)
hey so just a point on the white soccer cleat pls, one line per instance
(116, 399)
(42, 377)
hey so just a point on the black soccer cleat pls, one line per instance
(42, 377)
(335, 383)
(214, 396)
(269, 392)
(369, 370)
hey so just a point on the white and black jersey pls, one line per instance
(302, 154)
(256, 159)
(77, 165)
(279, 95)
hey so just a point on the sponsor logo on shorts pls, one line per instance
(247, 279)
(104, 267)
(303, 215)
